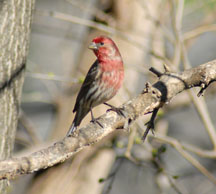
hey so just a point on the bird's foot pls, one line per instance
(150, 124)
(119, 111)
(96, 121)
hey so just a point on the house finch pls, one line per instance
(102, 81)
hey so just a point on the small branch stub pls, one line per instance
(156, 72)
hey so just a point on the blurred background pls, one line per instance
(180, 158)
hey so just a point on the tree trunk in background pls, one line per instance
(15, 20)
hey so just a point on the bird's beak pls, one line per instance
(93, 46)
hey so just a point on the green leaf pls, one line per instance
(175, 176)
(81, 80)
(138, 140)
(154, 152)
(101, 180)
(119, 144)
(162, 148)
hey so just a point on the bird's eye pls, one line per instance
(101, 43)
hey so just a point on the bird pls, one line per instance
(102, 82)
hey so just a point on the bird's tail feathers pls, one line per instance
(73, 127)
(80, 114)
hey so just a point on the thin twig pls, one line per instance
(130, 143)
(129, 37)
(187, 156)
(52, 77)
(99, 14)
(180, 48)
(29, 127)
(198, 151)
(198, 31)
(177, 13)
(200, 105)
(203, 112)
(113, 175)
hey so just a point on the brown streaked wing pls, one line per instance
(92, 75)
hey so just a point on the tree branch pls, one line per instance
(153, 96)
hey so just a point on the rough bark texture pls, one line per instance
(169, 85)
(15, 19)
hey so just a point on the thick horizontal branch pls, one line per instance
(168, 86)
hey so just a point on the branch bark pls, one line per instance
(168, 86)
